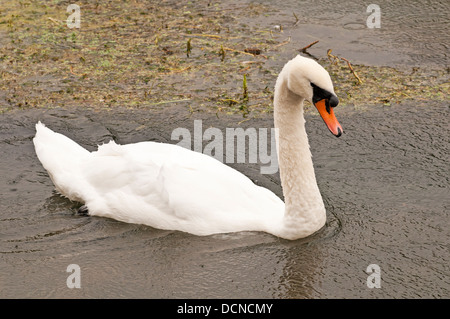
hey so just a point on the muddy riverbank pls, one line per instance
(150, 54)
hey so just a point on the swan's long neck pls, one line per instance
(304, 208)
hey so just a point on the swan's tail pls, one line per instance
(61, 157)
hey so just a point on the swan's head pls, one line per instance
(308, 79)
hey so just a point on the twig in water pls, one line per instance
(182, 70)
(353, 71)
(254, 51)
(308, 46)
(336, 60)
(58, 22)
(244, 120)
(71, 71)
(244, 69)
(80, 75)
(233, 50)
(330, 56)
(296, 19)
(283, 43)
(171, 101)
(252, 62)
(205, 35)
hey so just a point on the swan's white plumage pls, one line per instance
(162, 185)
(169, 187)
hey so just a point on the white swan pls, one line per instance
(168, 187)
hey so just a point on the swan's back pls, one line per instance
(157, 184)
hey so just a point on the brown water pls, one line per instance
(385, 185)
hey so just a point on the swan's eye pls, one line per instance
(320, 94)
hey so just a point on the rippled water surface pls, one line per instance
(411, 33)
(385, 185)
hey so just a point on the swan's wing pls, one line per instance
(169, 187)
(120, 182)
(208, 195)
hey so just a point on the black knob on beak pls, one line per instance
(334, 101)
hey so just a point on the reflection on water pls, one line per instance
(384, 183)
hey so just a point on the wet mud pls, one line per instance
(385, 184)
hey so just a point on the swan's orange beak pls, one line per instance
(328, 117)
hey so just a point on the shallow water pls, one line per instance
(385, 184)
(411, 33)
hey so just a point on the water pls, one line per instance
(411, 33)
(385, 185)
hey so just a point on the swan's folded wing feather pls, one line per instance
(201, 190)
(61, 157)
(122, 181)
(169, 187)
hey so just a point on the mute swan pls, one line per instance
(169, 187)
